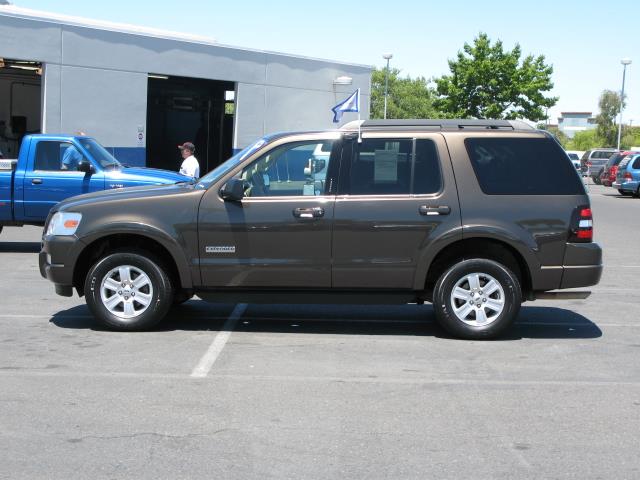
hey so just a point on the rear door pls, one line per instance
(397, 196)
(52, 176)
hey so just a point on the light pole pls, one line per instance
(624, 62)
(387, 57)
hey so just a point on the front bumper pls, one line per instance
(57, 260)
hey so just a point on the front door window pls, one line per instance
(295, 169)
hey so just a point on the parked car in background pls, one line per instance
(628, 176)
(575, 159)
(593, 161)
(51, 168)
(608, 175)
(575, 156)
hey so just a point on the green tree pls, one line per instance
(610, 104)
(630, 137)
(407, 98)
(488, 82)
(584, 140)
(556, 132)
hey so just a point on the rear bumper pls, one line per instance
(630, 186)
(582, 265)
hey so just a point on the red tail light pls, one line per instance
(588, 164)
(628, 176)
(582, 225)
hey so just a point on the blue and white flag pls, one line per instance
(351, 104)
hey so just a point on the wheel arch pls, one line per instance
(98, 247)
(479, 247)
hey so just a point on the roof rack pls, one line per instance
(439, 124)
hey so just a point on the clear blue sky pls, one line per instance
(583, 40)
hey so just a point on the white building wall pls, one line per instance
(95, 80)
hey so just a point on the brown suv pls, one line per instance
(391, 211)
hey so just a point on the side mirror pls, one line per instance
(233, 190)
(85, 166)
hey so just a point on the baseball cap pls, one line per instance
(188, 146)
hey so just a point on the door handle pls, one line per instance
(315, 212)
(36, 181)
(429, 211)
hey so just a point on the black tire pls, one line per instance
(622, 192)
(511, 294)
(637, 193)
(596, 180)
(159, 289)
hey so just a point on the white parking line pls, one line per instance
(208, 359)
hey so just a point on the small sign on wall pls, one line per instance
(140, 136)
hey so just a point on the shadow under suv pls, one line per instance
(392, 211)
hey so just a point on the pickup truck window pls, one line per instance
(99, 153)
(293, 169)
(56, 156)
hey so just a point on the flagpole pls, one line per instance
(359, 123)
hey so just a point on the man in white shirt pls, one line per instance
(190, 166)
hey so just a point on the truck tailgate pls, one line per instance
(6, 190)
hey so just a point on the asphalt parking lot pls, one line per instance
(235, 391)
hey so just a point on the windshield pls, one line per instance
(99, 153)
(231, 163)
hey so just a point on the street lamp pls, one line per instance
(387, 57)
(624, 62)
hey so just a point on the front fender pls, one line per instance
(151, 232)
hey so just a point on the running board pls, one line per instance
(561, 295)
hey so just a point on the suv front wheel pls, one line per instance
(128, 291)
(477, 299)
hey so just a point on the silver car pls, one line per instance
(593, 162)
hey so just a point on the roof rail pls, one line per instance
(440, 124)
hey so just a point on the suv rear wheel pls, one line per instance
(128, 291)
(477, 299)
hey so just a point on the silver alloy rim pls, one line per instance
(477, 299)
(126, 291)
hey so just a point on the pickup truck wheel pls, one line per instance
(477, 299)
(128, 291)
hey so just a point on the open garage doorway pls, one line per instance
(20, 103)
(181, 109)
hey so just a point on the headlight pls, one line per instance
(64, 223)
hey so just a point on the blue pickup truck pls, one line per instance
(51, 168)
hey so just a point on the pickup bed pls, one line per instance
(51, 168)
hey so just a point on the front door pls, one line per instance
(279, 235)
(396, 195)
(54, 176)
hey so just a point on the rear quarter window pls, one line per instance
(522, 166)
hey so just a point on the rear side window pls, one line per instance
(615, 160)
(522, 166)
(394, 167)
(636, 164)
